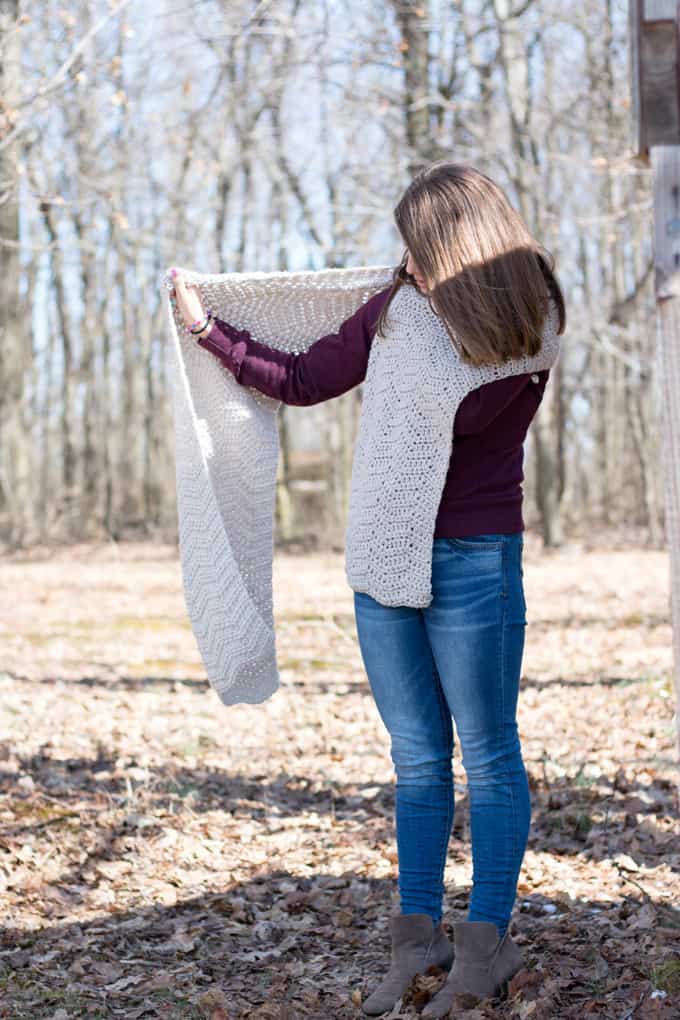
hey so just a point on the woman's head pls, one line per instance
(470, 251)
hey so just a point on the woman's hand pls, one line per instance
(187, 299)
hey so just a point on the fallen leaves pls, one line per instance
(162, 856)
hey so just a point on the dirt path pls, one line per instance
(164, 856)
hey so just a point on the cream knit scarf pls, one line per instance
(226, 453)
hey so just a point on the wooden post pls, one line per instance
(654, 75)
(666, 172)
(655, 93)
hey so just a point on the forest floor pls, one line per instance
(164, 856)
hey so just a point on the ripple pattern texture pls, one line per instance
(226, 456)
(415, 382)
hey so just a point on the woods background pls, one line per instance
(244, 135)
(161, 856)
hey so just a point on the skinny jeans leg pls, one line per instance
(409, 697)
(459, 657)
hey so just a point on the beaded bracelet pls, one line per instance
(202, 325)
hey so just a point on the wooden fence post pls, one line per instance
(655, 94)
(666, 171)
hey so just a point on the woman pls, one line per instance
(492, 286)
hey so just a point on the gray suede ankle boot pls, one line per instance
(416, 945)
(484, 962)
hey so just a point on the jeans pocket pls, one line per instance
(490, 543)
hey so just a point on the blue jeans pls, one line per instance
(460, 657)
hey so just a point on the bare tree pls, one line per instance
(286, 146)
(16, 463)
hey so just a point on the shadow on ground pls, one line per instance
(309, 947)
(602, 817)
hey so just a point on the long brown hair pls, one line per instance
(488, 279)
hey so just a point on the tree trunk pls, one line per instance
(17, 507)
(416, 60)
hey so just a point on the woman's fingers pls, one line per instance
(180, 282)
(187, 298)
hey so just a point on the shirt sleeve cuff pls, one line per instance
(228, 343)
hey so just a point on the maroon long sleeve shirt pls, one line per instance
(483, 489)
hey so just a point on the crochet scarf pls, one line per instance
(226, 455)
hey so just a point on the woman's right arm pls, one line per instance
(331, 366)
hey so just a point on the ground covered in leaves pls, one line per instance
(164, 856)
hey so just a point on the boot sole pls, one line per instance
(501, 993)
(432, 967)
